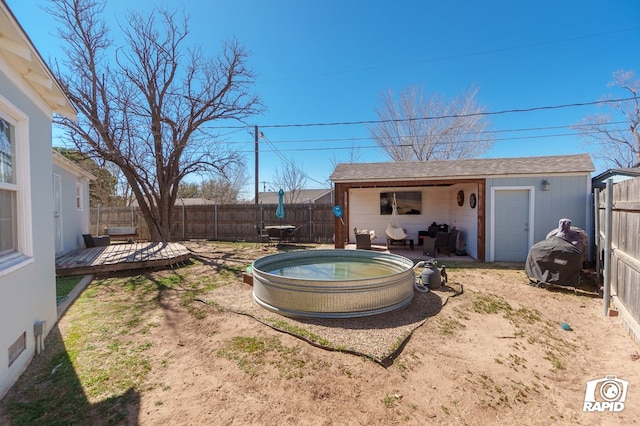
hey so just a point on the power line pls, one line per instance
(280, 151)
(353, 139)
(287, 161)
(484, 132)
(439, 117)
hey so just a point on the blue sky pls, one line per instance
(328, 62)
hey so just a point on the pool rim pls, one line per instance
(393, 291)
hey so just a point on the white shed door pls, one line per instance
(511, 225)
(57, 212)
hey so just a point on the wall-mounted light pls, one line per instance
(546, 186)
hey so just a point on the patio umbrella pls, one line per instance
(280, 209)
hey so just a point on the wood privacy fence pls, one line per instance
(624, 252)
(226, 222)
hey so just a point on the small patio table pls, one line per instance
(279, 232)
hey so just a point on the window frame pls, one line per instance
(408, 202)
(23, 253)
(79, 196)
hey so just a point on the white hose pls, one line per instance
(420, 288)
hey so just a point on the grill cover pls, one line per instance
(554, 261)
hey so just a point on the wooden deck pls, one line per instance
(120, 257)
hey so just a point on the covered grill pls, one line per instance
(558, 259)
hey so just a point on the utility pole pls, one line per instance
(257, 183)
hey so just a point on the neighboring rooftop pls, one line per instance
(301, 196)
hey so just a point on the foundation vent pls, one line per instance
(17, 348)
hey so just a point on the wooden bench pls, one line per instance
(128, 233)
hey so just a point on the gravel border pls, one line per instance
(378, 337)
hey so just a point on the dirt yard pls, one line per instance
(497, 353)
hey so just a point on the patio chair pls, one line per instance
(294, 235)
(275, 235)
(429, 246)
(453, 241)
(363, 242)
(263, 237)
(364, 238)
(443, 243)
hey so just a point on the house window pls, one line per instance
(78, 195)
(8, 189)
(15, 207)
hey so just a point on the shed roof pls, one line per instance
(302, 196)
(617, 175)
(460, 169)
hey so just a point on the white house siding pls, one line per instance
(439, 204)
(27, 294)
(75, 222)
(568, 197)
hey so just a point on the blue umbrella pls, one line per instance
(280, 209)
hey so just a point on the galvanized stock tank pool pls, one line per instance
(333, 283)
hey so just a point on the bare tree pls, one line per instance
(353, 156)
(226, 189)
(417, 129)
(188, 190)
(291, 179)
(144, 106)
(618, 142)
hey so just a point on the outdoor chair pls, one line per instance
(263, 237)
(294, 235)
(429, 246)
(453, 240)
(363, 242)
(364, 238)
(443, 243)
(275, 235)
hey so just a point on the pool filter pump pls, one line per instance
(430, 276)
